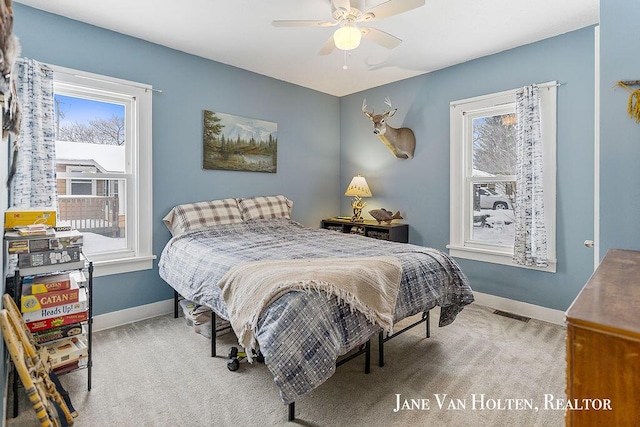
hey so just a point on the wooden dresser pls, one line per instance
(603, 344)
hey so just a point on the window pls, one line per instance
(483, 183)
(103, 165)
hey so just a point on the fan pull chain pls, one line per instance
(345, 67)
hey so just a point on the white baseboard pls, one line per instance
(133, 314)
(538, 312)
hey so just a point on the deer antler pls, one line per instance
(387, 101)
(364, 108)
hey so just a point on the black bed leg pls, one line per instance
(428, 323)
(213, 333)
(175, 304)
(292, 411)
(381, 349)
(367, 357)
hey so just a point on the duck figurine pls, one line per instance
(382, 215)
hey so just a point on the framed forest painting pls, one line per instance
(237, 143)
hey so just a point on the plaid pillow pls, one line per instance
(194, 216)
(265, 207)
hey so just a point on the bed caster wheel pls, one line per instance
(233, 364)
(233, 353)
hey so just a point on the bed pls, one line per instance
(303, 332)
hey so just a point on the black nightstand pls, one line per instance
(384, 231)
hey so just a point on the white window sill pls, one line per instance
(495, 257)
(122, 265)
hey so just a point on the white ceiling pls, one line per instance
(239, 33)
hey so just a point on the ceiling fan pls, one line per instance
(346, 14)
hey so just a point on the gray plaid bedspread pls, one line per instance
(302, 333)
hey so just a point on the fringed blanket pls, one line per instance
(302, 334)
(369, 285)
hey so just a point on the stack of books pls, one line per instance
(34, 230)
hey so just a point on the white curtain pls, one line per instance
(34, 183)
(530, 247)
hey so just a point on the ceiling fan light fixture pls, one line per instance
(347, 37)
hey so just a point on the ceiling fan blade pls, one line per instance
(303, 23)
(327, 47)
(342, 4)
(390, 8)
(380, 37)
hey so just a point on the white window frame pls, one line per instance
(137, 98)
(462, 113)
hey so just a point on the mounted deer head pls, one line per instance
(401, 142)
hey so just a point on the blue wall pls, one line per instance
(419, 188)
(308, 145)
(619, 134)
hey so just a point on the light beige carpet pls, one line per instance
(158, 373)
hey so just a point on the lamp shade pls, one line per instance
(347, 37)
(358, 187)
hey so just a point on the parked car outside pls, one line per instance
(491, 199)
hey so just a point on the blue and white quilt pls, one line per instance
(302, 334)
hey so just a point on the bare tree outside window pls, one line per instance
(89, 121)
(494, 145)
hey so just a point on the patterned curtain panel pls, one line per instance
(530, 247)
(34, 182)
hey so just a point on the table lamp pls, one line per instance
(358, 188)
